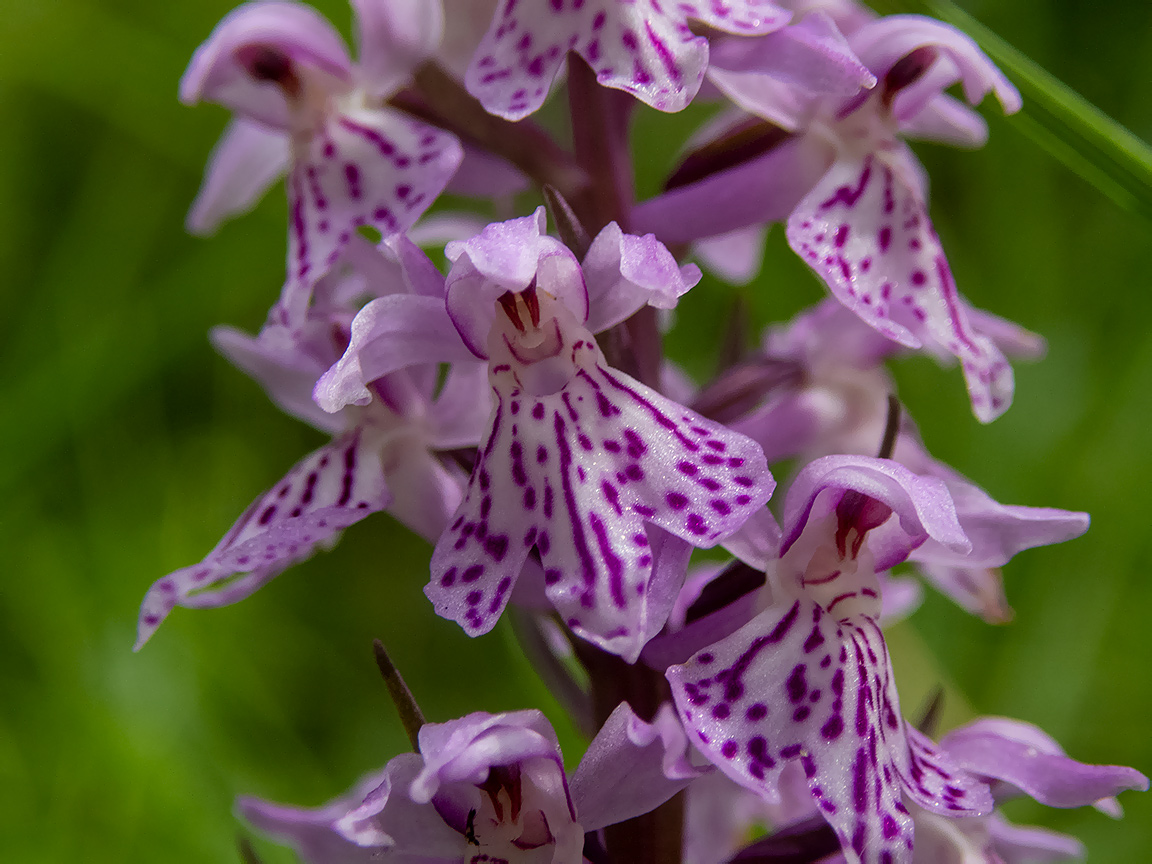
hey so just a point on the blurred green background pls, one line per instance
(129, 447)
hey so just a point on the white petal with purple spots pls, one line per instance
(326, 492)
(363, 167)
(865, 229)
(796, 684)
(575, 474)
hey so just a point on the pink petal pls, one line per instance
(624, 272)
(795, 684)
(882, 43)
(388, 334)
(576, 474)
(508, 256)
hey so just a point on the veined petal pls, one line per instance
(576, 474)
(463, 750)
(636, 47)
(363, 167)
(248, 158)
(632, 767)
(624, 272)
(329, 490)
(795, 684)
(394, 37)
(865, 229)
(255, 45)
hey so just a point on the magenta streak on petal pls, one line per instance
(733, 688)
(848, 196)
(587, 567)
(382, 144)
(611, 560)
(656, 413)
(298, 228)
(948, 289)
(665, 55)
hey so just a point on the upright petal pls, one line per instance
(884, 42)
(624, 272)
(508, 256)
(865, 229)
(329, 490)
(922, 505)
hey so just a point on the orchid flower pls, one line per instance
(996, 750)
(853, 194)
(809, 678)
(490, 788)
(381, 453)
(835, 401)
(581, 463)
(304, 107)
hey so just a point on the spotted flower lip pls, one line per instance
(302, 106)
(644, 48)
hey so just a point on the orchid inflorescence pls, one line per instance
(519, 414)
